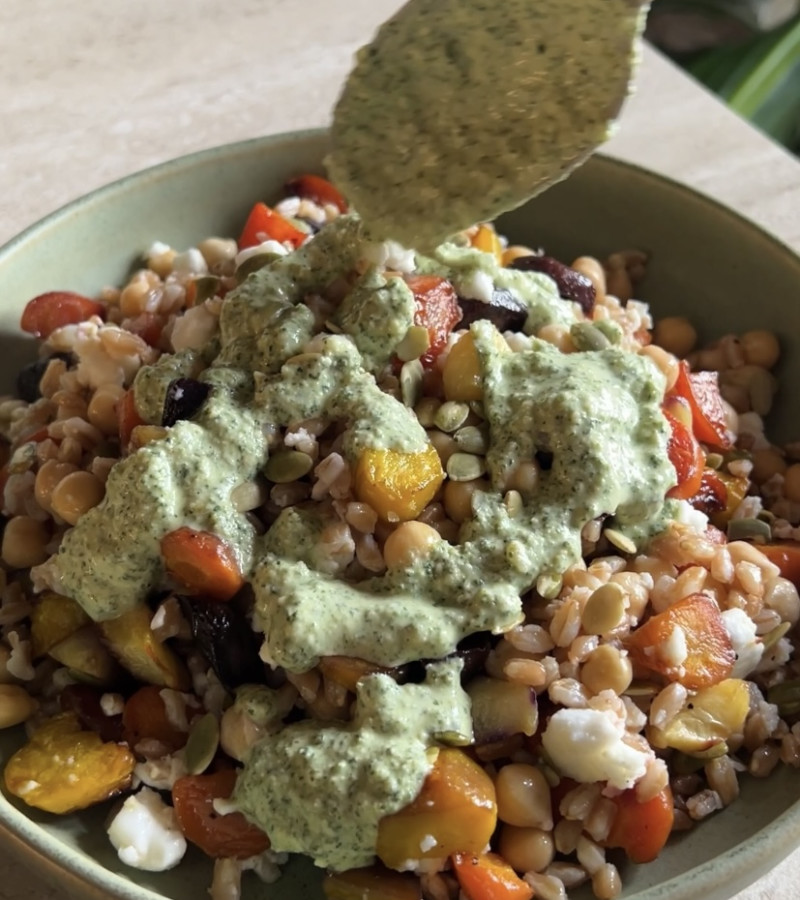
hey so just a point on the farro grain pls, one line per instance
(530, 639)
(721, 778)
(566, 623)
(569, 693)
(570, 874)
(566, 834)
(546, 887)
(763, 760)
(606, 882)
(578, 802)
(526, 671)
(703, 804)
(667, 704)
(599, 821)
(589, 854)
(655, 779)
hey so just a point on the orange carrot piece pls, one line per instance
(688, 643)
(318, 189)
(202, 562)
(701, 389)
(786, 556)
(687, 458)
(642, 829)
(129, 418)
(46, 312)
(489, 877)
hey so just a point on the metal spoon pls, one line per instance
(462, 109)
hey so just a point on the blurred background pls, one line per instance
(746, 51)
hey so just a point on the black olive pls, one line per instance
(572, 285)
(504, 311)
(183, 399)
(29, 376)
(225, 638)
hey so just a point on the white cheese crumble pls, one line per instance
(388, 255)
(145, 833)
(476, 285)
(587, 745)
(688, 515)
(112, 704)
(190, 262)
(748, 648)
(673, 650)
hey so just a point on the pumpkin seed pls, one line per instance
(254, 263)
(749, 530)
(610, 329)
(772, 637)
(476, 407)
(620, 541)
(417, 340)
(453, 738)
(548, 586)
(472, 439)
(587, 338)
(786, 696)
(604, 609)
(202, 743)
(715, 460)
(712, 752)
(451, 415)
(248, 495)
(204, 287)
(411, 382)
(465, 467)
(425, 411)
(513, 503)
(642, 689)
(286, 466)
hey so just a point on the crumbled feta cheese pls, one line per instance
(194, 329)
(477, 285)
(161, 772)
(388, 255)
(587, 745)
(748, 648)
(673, 650)
(190, 262)
(112, 704)
(688, 515)
(145, 833)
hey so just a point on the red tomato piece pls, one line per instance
(712, 495)
(43, 314)
(687, 456)
(202, 562)
(316, 188)
(231, 835)
(701, 389)
(642, 829)
(489, 877)
(437, 309)
(264, 224)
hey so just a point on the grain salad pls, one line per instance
(454, 572)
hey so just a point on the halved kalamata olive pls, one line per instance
(225, 638)
(504, 311)
(84, 701)
(571, 285)
(183, 399)
(29, 377)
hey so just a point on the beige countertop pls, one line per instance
(91, 90)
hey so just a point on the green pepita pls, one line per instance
(286, 466)
(610, 329)
(411, 382)
(451, 415)
(585, 336)
(786, 696)
(253, 263)
(465, 467)
(472, 439)
(425, 411)
(604, 610)
(202, 743)
(749, 530)
(715, 460)
(416, 341)
(774, 635)
(205, 286)
(620, 541)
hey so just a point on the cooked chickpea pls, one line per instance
(458, 498)
(676, 335)
(24, 542)
(526, 849)
(766, 463)
(515, 251)
(75, 495)
(134, 296)
(593, 269)
(523, 797)
(444, 444)
(666, 362)
(791, 483)
(524, 478)
(409, 541)
(102, 409)
(607, 669)
(217, 251)
(48, 476)
(760, 348)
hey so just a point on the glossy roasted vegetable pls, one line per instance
(456, 811)
(641, 829)
(398, 486)
(145, 717)
(64, 768)
(504, 311)
(436, 309)
(571, 284)
(202, 563)
(85, 654)
(54, 618)
(371, 883)
(487, 876)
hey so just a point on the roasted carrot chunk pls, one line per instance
(202, 562)
(43, 314)
(145, 717)
(230, 835)
(397, 485)
(437, 310)
(488, 876)
(264, 224)
(455, 812)
(687, 457)
(687, 643)
(129, 418)
(318, 189)
(642, 829)
(786, 556)
(701, 389)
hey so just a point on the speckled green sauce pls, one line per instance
(458, 110)
(321, 788)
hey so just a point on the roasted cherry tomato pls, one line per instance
(687, 456)
(264, 224)
(43, 314)
(437, 310)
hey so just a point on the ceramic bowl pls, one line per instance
(706, 262)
